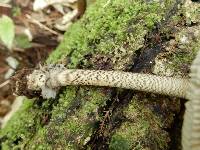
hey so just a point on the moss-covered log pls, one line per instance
(132, 35)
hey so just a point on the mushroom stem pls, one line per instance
(54, 78)
(142, 82)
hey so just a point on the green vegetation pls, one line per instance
(116, 30)
(141, 128)
(7, 32)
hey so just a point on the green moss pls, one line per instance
(20, 128)
(142, 130)
(119, 142)
(106, 30)
(187, 40)
(192, 11)
(72, 119)
(188, 45)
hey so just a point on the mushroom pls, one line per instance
(50, 78)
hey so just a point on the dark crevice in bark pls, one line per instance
(175, 131)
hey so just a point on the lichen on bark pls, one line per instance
(107, 37)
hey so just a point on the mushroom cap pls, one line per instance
(191, 123)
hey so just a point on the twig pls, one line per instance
(104, 120)
(4, 83)
(41, 25)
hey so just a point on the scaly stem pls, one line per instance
(127, 80)
(54, 78)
